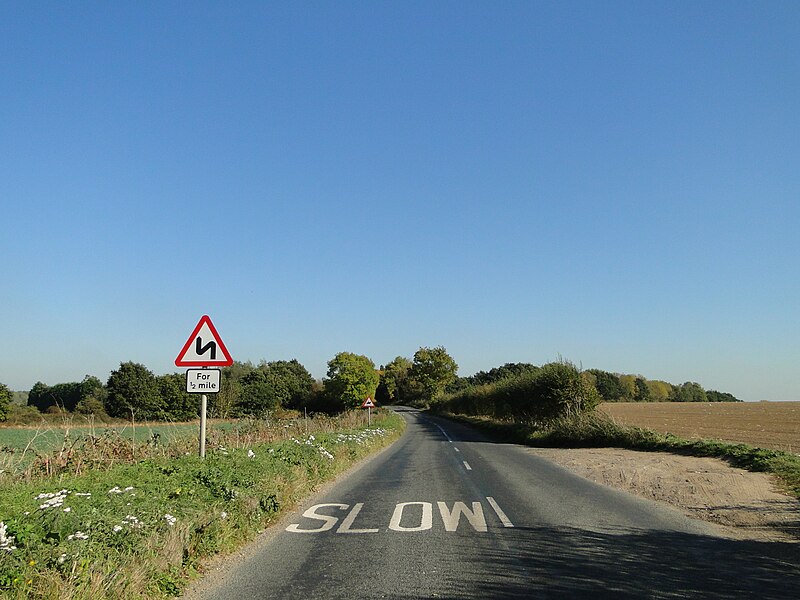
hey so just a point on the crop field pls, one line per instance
(774, 425)
(44, 439)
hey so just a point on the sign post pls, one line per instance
(204, 348)
(369, 404)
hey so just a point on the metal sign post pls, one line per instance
(203, 407)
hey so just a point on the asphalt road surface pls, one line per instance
(449, 513)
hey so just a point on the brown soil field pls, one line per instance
(773, 425)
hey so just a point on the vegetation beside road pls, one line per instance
(121, 519)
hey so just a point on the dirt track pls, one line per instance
(748, 505)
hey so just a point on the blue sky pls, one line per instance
(616, 183)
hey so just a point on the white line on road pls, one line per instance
(466, 464)
(456, 449)
(503, 518)
(444, 433)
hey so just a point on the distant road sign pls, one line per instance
(202, 381)
(204, 348)
(368, 403)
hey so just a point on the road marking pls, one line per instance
(444, 433)
(346, 526)
(466, 465)
(426, 522)
(456, 449)
(311, 513)
(406, 517)
(503, 518)
(474, 516)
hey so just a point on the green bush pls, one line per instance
(555, 390)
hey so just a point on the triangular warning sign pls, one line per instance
(204, 348)
(368, 403)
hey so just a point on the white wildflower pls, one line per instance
(78, 535)
(117, 528)
(52, 499)
(223, 515)
(62, 559)
(6, 541)
(170, 519)
(68, 509)
(115, 490)
(251, 454)
(128, 489)
(132, 522)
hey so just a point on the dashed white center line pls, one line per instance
(456, 449)
(444, 433)
(466, 466)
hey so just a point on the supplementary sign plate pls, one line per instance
(202, 381)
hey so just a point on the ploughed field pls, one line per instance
(773, 425)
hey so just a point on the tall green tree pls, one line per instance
(178, 404)
(431, 371)
(394, 385)
(5, 401)
(93, 397)
(351, 379)
(262, 390)
(61, 396)
(295, 378)
(608, 385)
(133, 392)
(642, 391)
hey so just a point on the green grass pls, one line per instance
(140, 526)
(596, 431)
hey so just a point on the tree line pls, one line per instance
(134, 392)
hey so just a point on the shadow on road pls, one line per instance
(570, 563)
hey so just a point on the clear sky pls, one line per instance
(617, 183)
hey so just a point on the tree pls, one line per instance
(715, 396)
(178, 404)
(295, 379)
(608, 385)
(628, 385)
(39, 396)
(133, 393)
(223, 404)
(60, 396)
(688, 392)
(659, 390)
(642, 391)
(498, 373)
(5, 401)
(351, 379)
(93, 397)
(432, 370)
(393, 388)
(262, 391)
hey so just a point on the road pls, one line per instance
(449, 513)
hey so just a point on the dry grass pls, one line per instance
(774, 425)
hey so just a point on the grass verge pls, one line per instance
(594, 430)
(140, 525)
